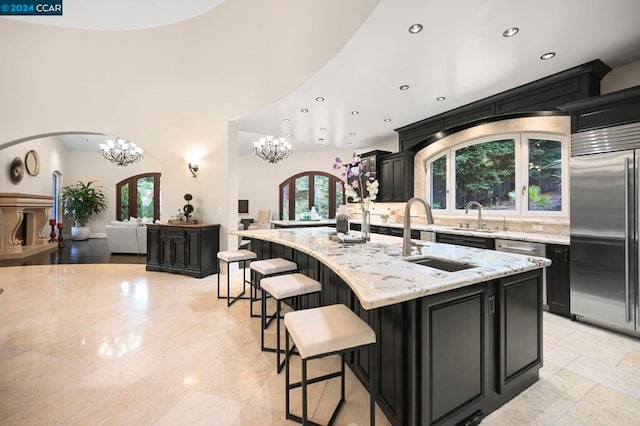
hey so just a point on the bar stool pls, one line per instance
(229, 257)
(267, 267)
(320, 332)
(283, 287)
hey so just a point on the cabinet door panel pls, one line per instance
(192, 250)
(520, 325)
(558, 289)
(455, 373)
(179, 255)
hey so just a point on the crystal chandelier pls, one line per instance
(121, 152)
(272, 149)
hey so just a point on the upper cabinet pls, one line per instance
(540, 97)
(613, 109)
(396, 177)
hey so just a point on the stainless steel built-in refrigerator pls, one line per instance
(605, 225)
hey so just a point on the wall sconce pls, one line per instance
(193, 168)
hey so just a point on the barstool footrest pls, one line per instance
(315, 379)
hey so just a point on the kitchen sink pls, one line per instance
(486, 231)
(443, 265)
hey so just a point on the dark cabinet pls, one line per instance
(396, 177)
(520, 313)
(370, 164)
(184, 249)
(558, 287)
(465, 240)
(447, 358)
(461, 370)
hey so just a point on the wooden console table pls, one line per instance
(188, 249)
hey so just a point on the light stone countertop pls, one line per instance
(506, 235)
(379, 277)
(301, 223)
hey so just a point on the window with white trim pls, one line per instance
(521, 174)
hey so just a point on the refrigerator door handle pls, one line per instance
(627, 304)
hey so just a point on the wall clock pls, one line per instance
(16, 170)
(32, 163)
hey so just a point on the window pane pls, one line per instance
(545, 175)
(145, 197)
(485, 172)
(339, 194)
(439, 183)
(321, 195)
(285, 202)
(302, 195)
(124, 202)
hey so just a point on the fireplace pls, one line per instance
(22, 221)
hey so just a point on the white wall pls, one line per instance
(89, 166)
(52, 158)
(259, 181)
(621, 78)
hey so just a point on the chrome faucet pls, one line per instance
(504, 223)
(406, 234)
(477, 204)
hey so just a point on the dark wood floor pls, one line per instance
(94, 250)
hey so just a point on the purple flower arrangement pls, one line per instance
(357, 178)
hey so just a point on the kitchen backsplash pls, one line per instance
(556, 226)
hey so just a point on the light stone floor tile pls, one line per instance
(606, 406)
(114, 344)
(202, 409)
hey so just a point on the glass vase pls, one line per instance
(365, 230)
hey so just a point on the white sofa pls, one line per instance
(127, 237)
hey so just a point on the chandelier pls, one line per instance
(121, 152)
(272, 149)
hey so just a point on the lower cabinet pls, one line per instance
(184, 249)
(449, 358)
(558, 284)
(466, 240)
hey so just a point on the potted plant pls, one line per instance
(79, 202)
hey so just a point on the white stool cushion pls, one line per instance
(327, 329)
(236, 256)
(273, 266)
(290, 285)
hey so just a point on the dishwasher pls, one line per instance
(529, 249)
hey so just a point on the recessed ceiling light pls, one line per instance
(355, 112)
(352, 134)
(387, 119)
(510, 32)
(286, 120)
(320, 99)
(548, 55)
(320, 139)
(323, 128)
(440, 98)
(415, 28)
(289, 135)
(404, 87)
(304, 110)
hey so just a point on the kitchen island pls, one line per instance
(453, 345)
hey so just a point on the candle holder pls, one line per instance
(60, 237)
(52, 237)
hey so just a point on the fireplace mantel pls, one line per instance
(14, 209)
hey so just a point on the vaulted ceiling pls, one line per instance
(171, 81)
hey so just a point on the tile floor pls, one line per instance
(113, 344)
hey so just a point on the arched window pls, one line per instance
(138, 196)
(311, 189)
(518, 174)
